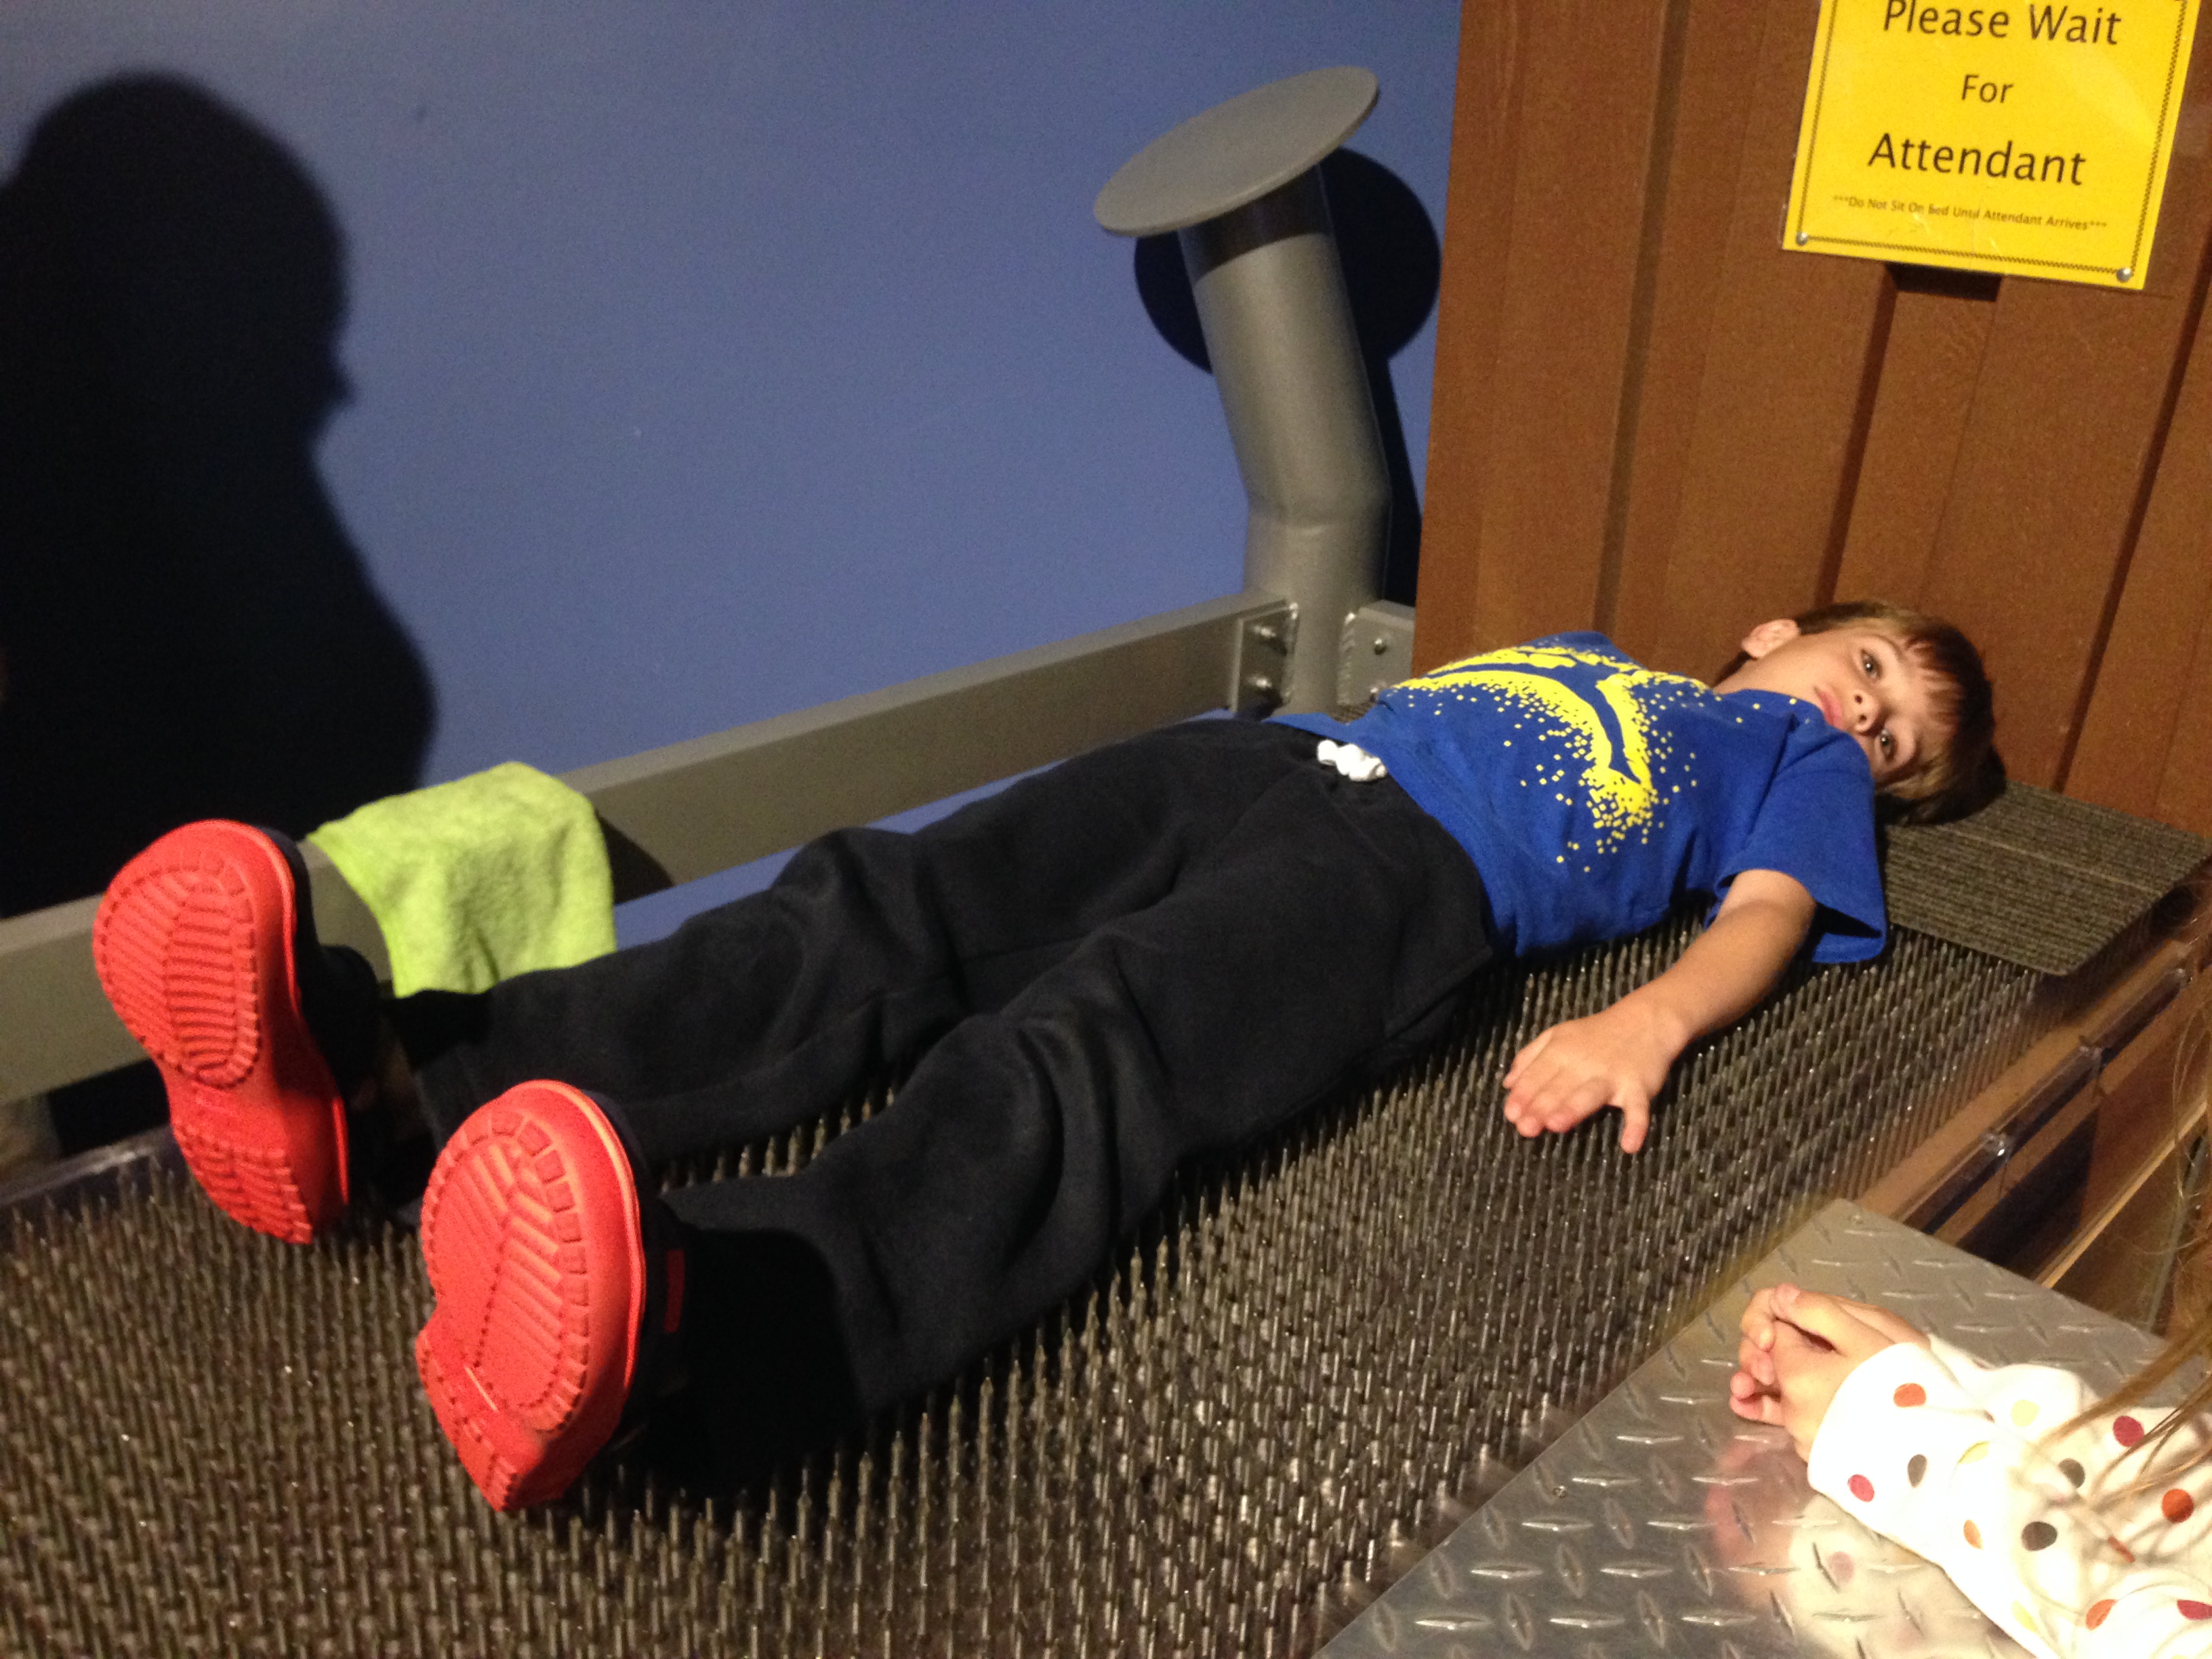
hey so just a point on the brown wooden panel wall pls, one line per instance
(1652, 420)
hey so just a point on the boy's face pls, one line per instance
(1861, 680)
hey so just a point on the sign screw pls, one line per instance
(2126, 271)
(1803, 237)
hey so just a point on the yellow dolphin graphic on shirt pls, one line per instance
(1620, 787)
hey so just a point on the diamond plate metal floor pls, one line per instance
(1663, 1524)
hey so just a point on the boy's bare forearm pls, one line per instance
(1729, 968)
(1621, 1056)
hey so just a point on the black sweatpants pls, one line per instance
(1156, 950)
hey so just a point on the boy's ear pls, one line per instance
(1767, 635)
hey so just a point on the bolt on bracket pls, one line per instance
(1376, 650)
(1261, 671)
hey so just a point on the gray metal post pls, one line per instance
(1239, 186)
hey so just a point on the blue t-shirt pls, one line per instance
(1594, 795)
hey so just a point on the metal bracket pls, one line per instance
(2124, 1025)
(1376, 650)
(1993, 1152)
(1261, 672)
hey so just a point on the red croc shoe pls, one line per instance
(198, 946)
(556, 1286)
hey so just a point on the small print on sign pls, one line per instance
(2028, 138)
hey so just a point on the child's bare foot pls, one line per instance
(1798, 1345)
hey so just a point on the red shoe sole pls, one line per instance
(534, 1243)
(194, 944)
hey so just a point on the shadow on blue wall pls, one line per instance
(1392, 263)
(186, 629)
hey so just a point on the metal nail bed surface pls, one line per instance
(1305, 1371)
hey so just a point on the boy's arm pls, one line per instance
(1622, 1056)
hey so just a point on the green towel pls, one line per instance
(480, 880)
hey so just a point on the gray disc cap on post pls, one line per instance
(1235, 153)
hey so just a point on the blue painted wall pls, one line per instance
(711, 361)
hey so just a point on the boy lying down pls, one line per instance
(1155, 951)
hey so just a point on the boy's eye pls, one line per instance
(1888, 745)
(1868, 663)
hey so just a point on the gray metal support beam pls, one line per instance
(1286, 362)
(1240, 185)
(694, 808)
(686, 810)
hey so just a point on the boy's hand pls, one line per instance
(1616, 1057)
(1621, 1057)
(1798, 1346)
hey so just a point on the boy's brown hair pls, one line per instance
(1962, 773)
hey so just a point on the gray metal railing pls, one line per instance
(686, 810)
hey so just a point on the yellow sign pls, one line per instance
(2012, 136)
